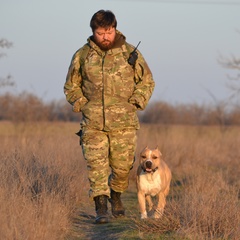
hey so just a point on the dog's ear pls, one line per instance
(158, 150)
(144, 149)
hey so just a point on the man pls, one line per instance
(108, 91)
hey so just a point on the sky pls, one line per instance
(182, 42)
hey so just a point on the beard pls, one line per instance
(104, 45)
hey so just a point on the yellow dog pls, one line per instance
(153, 179)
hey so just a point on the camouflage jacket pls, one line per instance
(106, 88)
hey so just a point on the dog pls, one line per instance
(153, 180)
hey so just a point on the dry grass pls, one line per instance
(204, 197)
(43, 180)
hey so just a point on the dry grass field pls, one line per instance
(44, 186)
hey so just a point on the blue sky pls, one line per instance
(181, 41)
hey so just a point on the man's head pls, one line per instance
(103, 24)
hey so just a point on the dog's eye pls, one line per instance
(143, 156)
(154, 157)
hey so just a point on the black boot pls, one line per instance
(101, 209)
(117, 206)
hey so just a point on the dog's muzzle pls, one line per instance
(148, 167)
(148, 164)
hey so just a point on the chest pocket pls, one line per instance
(122, 78)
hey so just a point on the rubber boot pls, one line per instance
(101, 209)
(117, 206)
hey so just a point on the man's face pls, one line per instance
(104, 38)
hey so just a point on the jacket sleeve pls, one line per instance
(144, 84)
(72, 86)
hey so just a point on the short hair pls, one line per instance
(104, 19)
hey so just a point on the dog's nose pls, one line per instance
(148, 164)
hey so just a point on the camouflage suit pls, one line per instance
(108, 91)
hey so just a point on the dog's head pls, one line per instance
(150, 159)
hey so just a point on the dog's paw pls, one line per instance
(144, 215)
(158, 213)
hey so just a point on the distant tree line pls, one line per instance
(27, 107)
(191, 114)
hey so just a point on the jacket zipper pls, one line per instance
(103, 58)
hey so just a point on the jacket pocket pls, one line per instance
(93, 115)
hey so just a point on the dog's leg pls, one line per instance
(150, 206)
(166, 191)
(161, 202)
(142, 205)
(149, 202)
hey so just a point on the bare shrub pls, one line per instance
(27, 107)
(23, 108)
(234, 115)
(62, 111)
(159, 112)
(232, 63)
(4, 43)
(190, 114)
(5, 81)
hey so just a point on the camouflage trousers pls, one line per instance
(110, 157)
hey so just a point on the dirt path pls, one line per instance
(120, 228)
